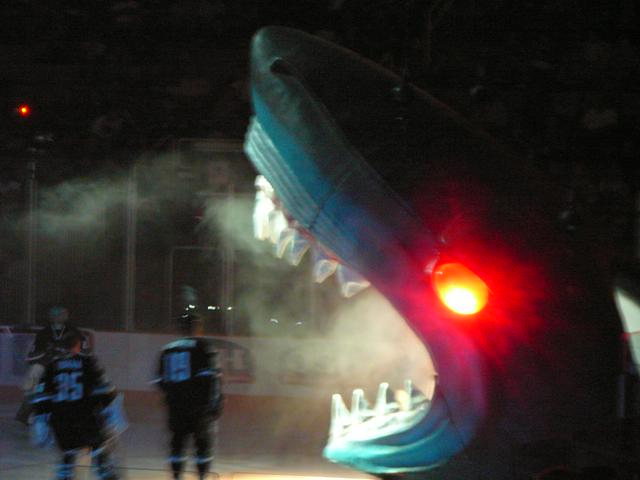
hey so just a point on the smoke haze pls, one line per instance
(361, 341)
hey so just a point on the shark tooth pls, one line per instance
(263, 185)
(404, 397)
(298, 246)
(285, 238)
(262, 208)
(277, 223)
(381, 399)
(359, 406)
(340, 415)
(408, 387)
(350, 281)
(323, 266)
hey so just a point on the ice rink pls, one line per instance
(258, 438)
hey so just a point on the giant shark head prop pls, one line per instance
(390, 185)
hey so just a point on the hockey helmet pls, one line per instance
(58, 314)
(188, 321)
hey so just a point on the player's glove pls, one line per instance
(115, 418)
(41, 431)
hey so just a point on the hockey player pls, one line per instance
(43, 349)
(70, 398)
(51, 336)
(191, 382)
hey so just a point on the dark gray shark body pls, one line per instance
(391, 181)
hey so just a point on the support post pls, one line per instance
(130, 253)
(31, 243)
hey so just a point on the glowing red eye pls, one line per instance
(461, 290)
(24, 110)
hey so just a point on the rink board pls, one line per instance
(251, 366)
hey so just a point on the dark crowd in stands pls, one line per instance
(589, 473)
(555, 79)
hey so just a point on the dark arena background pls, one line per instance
(127, 196)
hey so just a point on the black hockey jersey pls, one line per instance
(47, 342)
(188, 374)
(73, 384)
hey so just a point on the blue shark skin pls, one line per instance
(375, 191)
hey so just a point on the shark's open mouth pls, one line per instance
(394, 411)
(397, 426)
(363, 425)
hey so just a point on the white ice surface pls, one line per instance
(141, 453)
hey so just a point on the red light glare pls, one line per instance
(24, 110)
(459, 289)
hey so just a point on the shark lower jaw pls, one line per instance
(417, 428)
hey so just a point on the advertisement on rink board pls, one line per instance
(236, 361)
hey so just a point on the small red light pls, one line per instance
(24, 110)
(459, 289)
